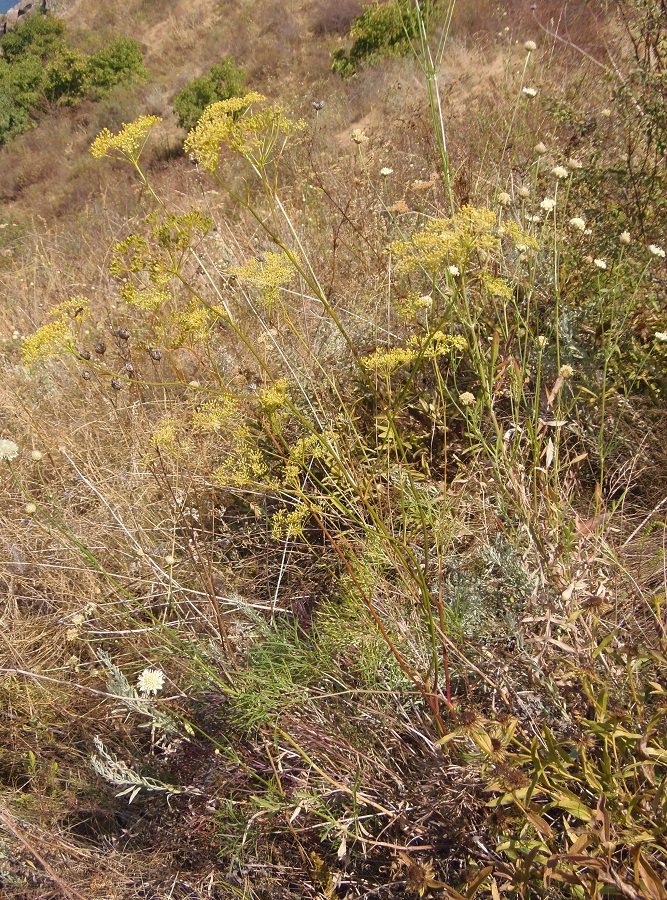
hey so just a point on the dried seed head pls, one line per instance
(100, 348)
(155, 354)
(129, 368)
(84, 354)
(123, 334)
(86, 375)
(116, 384)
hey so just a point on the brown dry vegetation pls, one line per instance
(310, 766)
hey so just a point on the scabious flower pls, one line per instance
(540, 149)
(530, 46)
(661, 337)
(524, 191)
(467, 399)
(574, 164)
(566, 372)
(358, 136)
(386, 172)
(8, 450)
(624, 237)
(541, 341)
(559, 172)
(150, 681)
(453, 270)
(35, 456)
(548, 204)
(504, 199)
(31, 508)
(654, 250)
(578, 223)
(530, 92)
(600, 263)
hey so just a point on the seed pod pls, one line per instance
(116, 384)
(86, 375)
(155, 354)
(129, 368)
(123, 334)
(100, 348)
(84, 354)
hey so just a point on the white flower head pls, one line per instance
(600, 263)
(530, 92)
(654, 250)
(386, 172)
(31, 508)
(574, 164)
(566, 372)
(540, 149)
(541, 341)
(559, 172)
(8, 450)
(36, 455)
(578, 223)
(524, 191)
(548, 204)
(453, 270)
(467, 399)
(661, 337)
(504, 198)
(358, 136)
(169, 560)
(530, 46)
(624, 237)
(150, 681)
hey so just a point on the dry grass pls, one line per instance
(313, 768)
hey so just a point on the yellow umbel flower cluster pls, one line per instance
(452, 242)
(236, 122)
(289, 524)
(145, 277)
(164, 434)
(385, 361)
(188, 326)
(268, 274)
(438, 344)
(56, 337)
(217, 414)
(128, 143)
(274, 396)
(244, 465)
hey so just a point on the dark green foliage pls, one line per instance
(67, 78)
(378, 31)
(38, 68)
(120, 61)
(39, 36)
(222, 82)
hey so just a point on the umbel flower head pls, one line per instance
(150, 681)
(8, 450)
(128, 143)
(244, 125)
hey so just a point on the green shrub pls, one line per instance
(378, 31)
(21, 90)
(40, 36)
(122, 60)
(37, 67)
(222, 82)
(67, 78)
